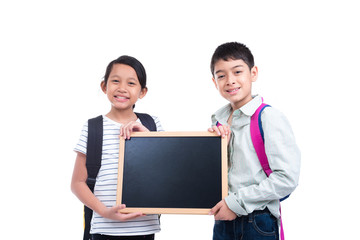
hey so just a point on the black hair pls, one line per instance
(234, 51)
(132, 62)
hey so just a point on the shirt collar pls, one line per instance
(248, 109)
(223, 113)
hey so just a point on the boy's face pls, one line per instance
(233, 79)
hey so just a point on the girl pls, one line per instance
(124, 83)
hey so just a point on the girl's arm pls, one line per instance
(82, 191)
(133, 126)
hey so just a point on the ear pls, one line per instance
(214, 81)
(143, 92)
(254, 73)
(103, 86)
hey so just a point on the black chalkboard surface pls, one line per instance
(172, 172)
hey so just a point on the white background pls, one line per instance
(53, 55)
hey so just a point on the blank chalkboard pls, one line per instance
(172, 172)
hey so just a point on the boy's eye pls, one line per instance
(220, 76)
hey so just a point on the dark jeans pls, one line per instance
(105, 237)
(259, 225)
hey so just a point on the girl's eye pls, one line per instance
(131, 83)
(237, 72)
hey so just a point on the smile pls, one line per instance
(121, 98)
(233, 91)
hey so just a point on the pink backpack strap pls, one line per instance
(282, 235)
(258, 142)
(257, 138)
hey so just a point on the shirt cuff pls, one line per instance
(234, 205)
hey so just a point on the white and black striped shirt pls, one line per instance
(106, 185)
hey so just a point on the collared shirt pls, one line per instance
(249, 187)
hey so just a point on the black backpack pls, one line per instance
(93, 156)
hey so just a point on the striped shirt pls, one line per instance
(106, 185)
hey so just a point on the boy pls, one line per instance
(251, 209)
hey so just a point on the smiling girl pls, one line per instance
(124, 83)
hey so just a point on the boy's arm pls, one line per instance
(222, 212)
(284, 160)
(82, 191)
(221, 130)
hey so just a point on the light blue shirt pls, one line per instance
(249, 187)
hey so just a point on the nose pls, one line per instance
(121, 88)
(230, 80)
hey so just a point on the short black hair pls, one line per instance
(234, 51)
(132, 62)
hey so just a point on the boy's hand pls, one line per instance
(133, 126)
(222, 212)
(221, 130)
(114, 214)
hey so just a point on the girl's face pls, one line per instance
(123, 88)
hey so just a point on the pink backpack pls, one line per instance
(257, 137)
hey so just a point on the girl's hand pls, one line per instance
(222, 212)
(114, 214)
(221, 130)
(133, 126)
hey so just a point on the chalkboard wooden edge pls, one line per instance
(120, 171)
(202, 211)
(224, 167)
(224, 170)
(174, 134)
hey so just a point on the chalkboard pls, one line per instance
(172, 172)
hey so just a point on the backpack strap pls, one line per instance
(93, 156)
(94, 149)
(147, 121)
(93, 163)
(94, 144)
(257, 137)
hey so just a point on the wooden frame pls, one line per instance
(193, 136)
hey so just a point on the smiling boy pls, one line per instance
(251, 209)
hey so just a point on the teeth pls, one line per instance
(233, 90)
(120, 97)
